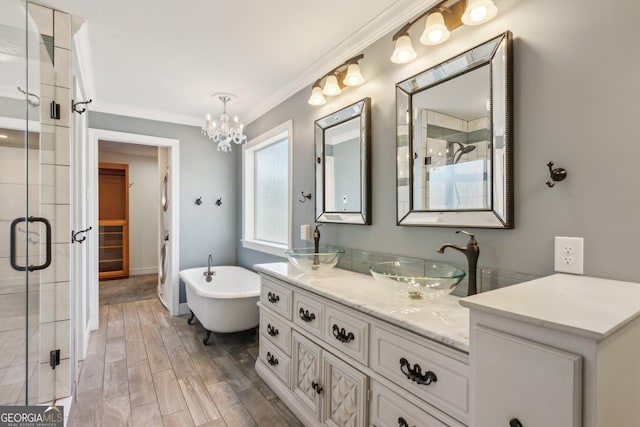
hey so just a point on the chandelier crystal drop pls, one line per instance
(224, 132)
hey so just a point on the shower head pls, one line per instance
(464, 149)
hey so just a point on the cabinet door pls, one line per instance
(306, 372)
(516, 379)
(344, 394)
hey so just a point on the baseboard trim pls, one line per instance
(142, 270)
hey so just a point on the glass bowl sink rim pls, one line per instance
(311, 251)
(456, 273)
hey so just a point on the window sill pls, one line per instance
(269, 248)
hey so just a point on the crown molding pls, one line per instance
(387, 21)
(146, 113)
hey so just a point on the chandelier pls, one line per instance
(224, 133)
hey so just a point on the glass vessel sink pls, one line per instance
(414, 277)
(305, 259)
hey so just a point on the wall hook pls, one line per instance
(557, 175)
(130, 184)
(74, 106)
(198, 201)
(219, 201)
(305, 197)
(74, 235)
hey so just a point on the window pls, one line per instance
(266, 185)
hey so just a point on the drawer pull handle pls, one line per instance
(304, 315)
(514, 422)
(341, 335)
(415, 374)
(272, 331)
(316, 387)
(273, 298)
(402, 422)
(272, 360)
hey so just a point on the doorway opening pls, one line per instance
(153, 222)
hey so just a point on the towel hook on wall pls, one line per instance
(557, 175)
(305, 197)
(198, 201)
(74, 106)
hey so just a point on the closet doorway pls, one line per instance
(170, 296)
(113, 221)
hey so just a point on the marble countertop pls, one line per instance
(579, 305)
(437, 316)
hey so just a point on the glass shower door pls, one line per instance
(25, 232)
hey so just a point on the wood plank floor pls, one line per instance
(133, 288)
(146, 368)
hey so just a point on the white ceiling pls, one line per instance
(164, 59)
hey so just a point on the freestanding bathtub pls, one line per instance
(227, 303)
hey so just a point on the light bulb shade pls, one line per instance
(478, 12)
(403, 52)
(331, 87)
(316, 97)
(354, 76)
(435, 31)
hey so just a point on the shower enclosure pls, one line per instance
(34, 204)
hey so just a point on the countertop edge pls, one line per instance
(536, 321)
(437, 338)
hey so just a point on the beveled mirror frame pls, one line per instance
(361, 109)
(501, 211)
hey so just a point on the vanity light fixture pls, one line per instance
(345, 74)
(435, 32)
(443, 18)
(404, 51)
(224, 133)
(478, 12)
(331, 87)
(317, 98)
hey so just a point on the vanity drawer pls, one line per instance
(308, 313)
(435, 377)
(278, 362)
(388, 409)
(276, 297)
(276, 330)
(347, 333)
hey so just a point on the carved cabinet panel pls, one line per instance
(306, 372)
(345, 399)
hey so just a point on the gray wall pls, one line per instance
(576, 95)
(204, 171)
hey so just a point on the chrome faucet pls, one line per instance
(207, 274)
(472, 252)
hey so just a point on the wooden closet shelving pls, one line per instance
(113, 220)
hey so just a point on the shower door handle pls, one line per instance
(47, 261)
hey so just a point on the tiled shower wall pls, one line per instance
(55, 79)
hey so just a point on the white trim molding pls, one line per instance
(267, 138)
(173, 145)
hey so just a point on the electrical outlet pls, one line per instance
(569, 255)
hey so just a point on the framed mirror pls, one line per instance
(454, 141)
(343, 165)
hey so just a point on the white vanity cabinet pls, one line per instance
(560, 351)
(334, 365)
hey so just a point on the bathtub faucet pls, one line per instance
(207, 274)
